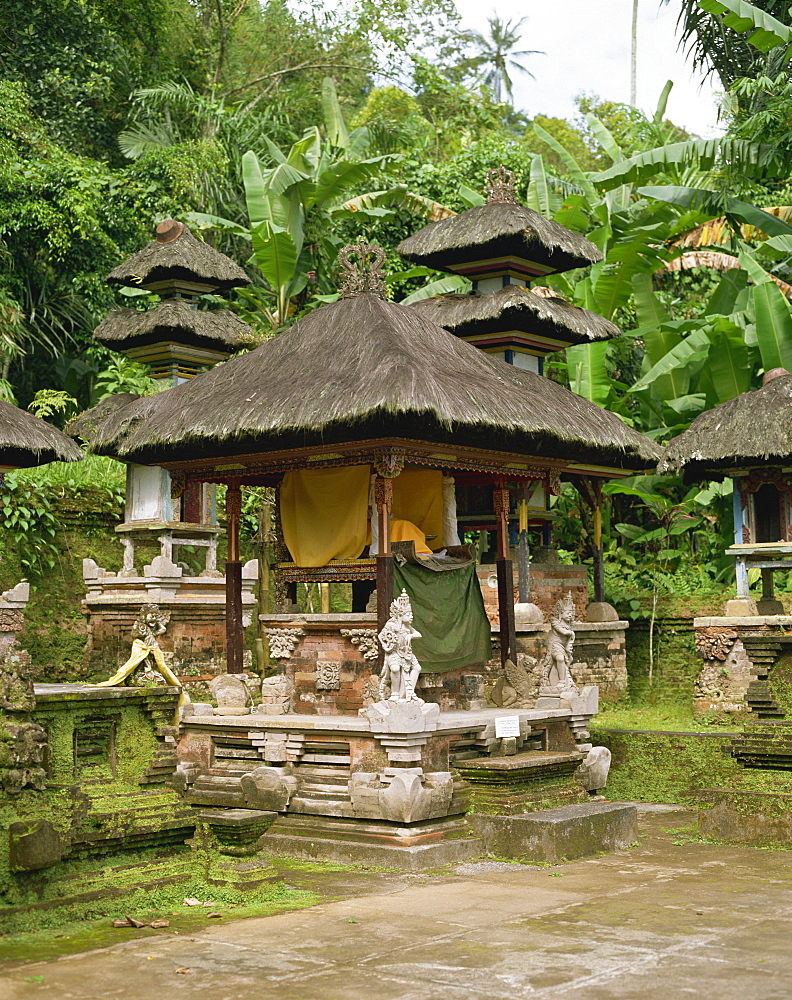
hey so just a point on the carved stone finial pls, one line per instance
(501, 187)
(364, 276)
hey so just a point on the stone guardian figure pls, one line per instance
(401, 668)
(556, 678)
(150, 623)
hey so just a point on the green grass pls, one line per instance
(664, 718)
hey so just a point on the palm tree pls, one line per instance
(497, 54)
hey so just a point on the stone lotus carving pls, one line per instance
(268, 788)
(283, 641)
(401, 795)
(715, 643)
(401, 668)
(365, 639)
(328, 675)
(556, 678)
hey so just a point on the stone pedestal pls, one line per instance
(562, 834)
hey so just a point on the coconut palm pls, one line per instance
(498, 55)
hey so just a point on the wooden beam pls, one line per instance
(505, 573)
(235, 632)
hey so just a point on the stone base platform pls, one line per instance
(559, 834)
(763, 819)
(409, 846)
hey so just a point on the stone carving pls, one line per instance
(231, 694)
(364, 277)
(365, 639)
(501, 187)
(715, 643)
(16, 681)
(556, 678)
(33, 844)
(282, 641)
(401, 668)
(150, 623)
(401, 795)
(414, 716)
(593, 772)
(371, 691)
(22, 750)
(328, 675)
(268, 788)
(519, 685)
(276, 695)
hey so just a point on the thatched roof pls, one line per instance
(753, 429)
(516, 308)
(26, 440)
(176, 321)
(499, 230)
(177, 255)
(358, 369)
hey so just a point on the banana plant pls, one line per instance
(292, 203)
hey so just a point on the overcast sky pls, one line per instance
(588, 50)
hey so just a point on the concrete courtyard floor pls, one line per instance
(668, 918)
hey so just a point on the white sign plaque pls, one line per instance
(507, 725)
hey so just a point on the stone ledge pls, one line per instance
(559, 834)
(780, 621)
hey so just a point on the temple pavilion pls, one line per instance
(361, 411)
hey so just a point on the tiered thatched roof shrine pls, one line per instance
(174, 338)
(502, 247)
(365, 383)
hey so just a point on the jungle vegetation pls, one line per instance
(372, 120)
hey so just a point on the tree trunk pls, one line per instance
(634, 56)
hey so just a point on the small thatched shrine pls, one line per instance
(748, 440)
(176, 340)
(502, 247)
(365, 416)
(27, 441)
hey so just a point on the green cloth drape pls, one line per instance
(448, 611)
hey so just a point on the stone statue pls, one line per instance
(401, 668)
(150, 623)
(556, 678)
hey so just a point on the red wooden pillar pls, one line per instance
(235, 633)
(508, 634)
(383, 497)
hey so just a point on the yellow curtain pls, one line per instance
(406, 531)
(324, 513)
(418, 497)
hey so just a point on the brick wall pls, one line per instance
(549, 583)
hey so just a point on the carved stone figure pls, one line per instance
(268, 788)
(715, 643)
(150, 623)
(276, 695)
(556, 678)
(16, 681)
(401, 795)
(401, 668)
(22, 750)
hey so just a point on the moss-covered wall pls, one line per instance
(674, 767)
(676, 664)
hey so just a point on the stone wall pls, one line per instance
(549, 583)
(314, 651)
(197, 626)
(332, 673)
